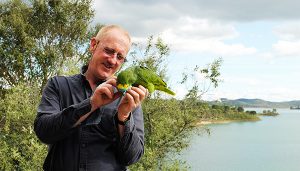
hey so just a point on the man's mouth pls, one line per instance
(108, 66)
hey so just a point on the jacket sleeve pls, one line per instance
(53, 122)
(131, 145)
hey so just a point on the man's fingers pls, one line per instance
(130, 100)
(133, 99)
(143, 88)
(138, 93)
(142, 91)
(136, 97)
(112, 81)
(106, 91)
(146, 92)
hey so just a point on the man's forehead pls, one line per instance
(115, 41)
(114, 33)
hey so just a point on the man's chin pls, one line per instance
(105, 76)
(106, 72)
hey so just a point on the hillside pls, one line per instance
(257, 103)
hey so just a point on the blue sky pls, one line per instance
(258, 40)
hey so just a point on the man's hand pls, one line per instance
(104, 94)
(131, 100)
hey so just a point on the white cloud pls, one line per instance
(142, 17)
(198, 28)
(289, 39)
(138, 18)
(287, 48)
(246, 81)
(269, 56)
(289, 31)
(202, 35)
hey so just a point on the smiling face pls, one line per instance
(108, 54)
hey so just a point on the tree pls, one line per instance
(168, 122)
(153, 56)
(39, 37)
(20, 148)
(159, 113)
(211, 74)
(240, 109)
(226, 109)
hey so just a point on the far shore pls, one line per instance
(223, 121)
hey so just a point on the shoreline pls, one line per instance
(223, 121)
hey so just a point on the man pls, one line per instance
(80, 117)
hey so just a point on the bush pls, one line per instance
(165, 132)
(20, 148)
(240, 109)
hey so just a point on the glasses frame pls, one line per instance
(112, 52)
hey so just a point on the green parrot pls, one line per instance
(138, 75)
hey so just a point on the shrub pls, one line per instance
(20, 148)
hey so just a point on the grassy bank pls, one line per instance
(229, 117)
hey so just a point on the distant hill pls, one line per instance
(257, 103)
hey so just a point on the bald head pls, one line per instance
(106, 29)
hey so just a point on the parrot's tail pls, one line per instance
(168, 91)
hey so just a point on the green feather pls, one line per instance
(138, 75)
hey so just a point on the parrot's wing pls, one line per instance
(157, 81)
(150, 80)
(150, 76)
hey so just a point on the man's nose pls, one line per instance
(113, 58)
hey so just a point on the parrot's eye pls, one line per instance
(110, 52)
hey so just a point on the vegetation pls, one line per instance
(272, 112)
(224, 112)
(252, 112)
(20, 149)
(169, 122)
(40, 38)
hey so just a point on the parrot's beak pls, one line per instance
(123, 87)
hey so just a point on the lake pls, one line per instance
(272, 144)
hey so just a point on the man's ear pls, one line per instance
(93, 44)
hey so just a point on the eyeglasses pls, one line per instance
(110, 52)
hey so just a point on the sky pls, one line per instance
(258, 40)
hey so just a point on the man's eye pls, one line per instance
(109, 51)
(120, 57)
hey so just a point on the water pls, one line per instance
(272, 144)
